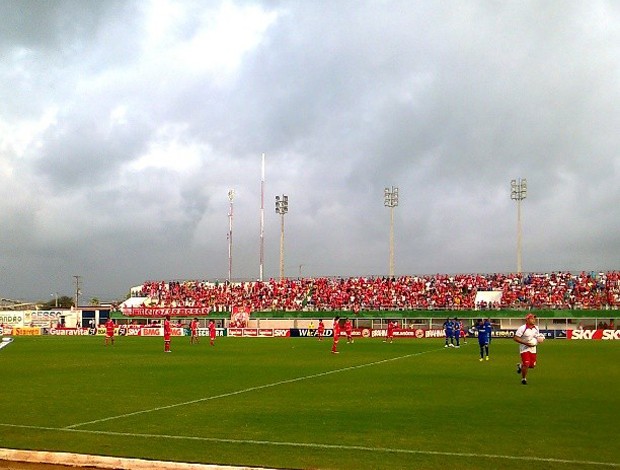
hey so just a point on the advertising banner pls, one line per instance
(26, 331)
(42, 317)
(313, 333)
(257, 332)
(411, 333)
(605, 335)
(12, 318)
(159, 312)
(69, 331)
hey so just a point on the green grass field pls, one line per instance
(289, 403)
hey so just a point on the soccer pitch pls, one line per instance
(289, 403)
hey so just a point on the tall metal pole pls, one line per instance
(391, 200)
(282, 209)
(262, 221)
(231, 197)
(518, 192)
(282, 246)
(77, 290)
(392, 241)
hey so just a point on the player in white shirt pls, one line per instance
(527, 337)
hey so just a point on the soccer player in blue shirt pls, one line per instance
(483, 339)
(457, 332)
(448, 327)
(488, 328)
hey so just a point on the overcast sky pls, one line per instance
(124, 124)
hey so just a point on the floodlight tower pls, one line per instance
(231, 197)
(391, 200)
(281, 209)
(518, 192)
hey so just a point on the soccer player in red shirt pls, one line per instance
(320, 330)
(348, 329)
(390, 332)
(336, 329)
(167, 334)
(193, 327)
(212, 332)
(109, 332)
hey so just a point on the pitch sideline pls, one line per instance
(310, 445)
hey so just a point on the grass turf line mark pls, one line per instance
(311, 445)
(250, 389)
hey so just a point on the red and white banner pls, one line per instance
(605, 335)
(160, 312)
(240, 316)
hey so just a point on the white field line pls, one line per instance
(310, 445)
(247, 390)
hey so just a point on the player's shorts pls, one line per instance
(109, 335)
(167, 337)
(483, 342)
(528, 359)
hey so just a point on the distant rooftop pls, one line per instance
(9, 304)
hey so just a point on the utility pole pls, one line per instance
(261, 255)
(78, 292)
(231, 197)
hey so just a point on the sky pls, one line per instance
(123, 126)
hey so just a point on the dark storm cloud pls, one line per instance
(41, 24)
(125, 125)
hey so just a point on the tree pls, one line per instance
(94, 301)
(63, 302)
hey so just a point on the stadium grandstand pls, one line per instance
(557, 290)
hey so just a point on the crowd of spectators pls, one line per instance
(561, 290)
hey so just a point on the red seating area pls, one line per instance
(559, 290)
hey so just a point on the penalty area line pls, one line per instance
(310, 445)
(250, 389)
